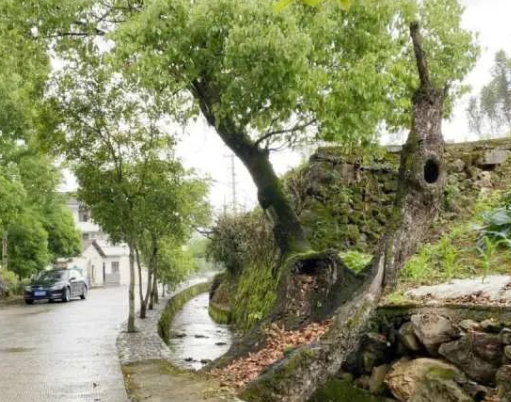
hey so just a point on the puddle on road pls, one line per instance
(15, 350)
(196, 339)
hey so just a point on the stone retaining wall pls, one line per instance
(442, 353)
(175, 304)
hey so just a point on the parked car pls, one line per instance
(56, 284)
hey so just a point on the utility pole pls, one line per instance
(233, 183)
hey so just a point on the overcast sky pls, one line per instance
(201, 149)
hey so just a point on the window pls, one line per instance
(115, 267)
(85, 236)
(83, 215)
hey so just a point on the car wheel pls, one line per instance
(67, 295)
(29, 301)
(84, 293)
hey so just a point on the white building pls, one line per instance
(105, 263)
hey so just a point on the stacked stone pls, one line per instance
(430, 358)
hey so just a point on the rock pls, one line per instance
(406, 377)
(475, 358)
(505, 336)
(433, 330)
(457, 166)
(177, 335)
(491, 326)
(487, 347)
(435, 388)
(504, 384)
(220, 343)
(377, 380)
(469, 325)
(494, 157)
(199, 336)
(483, 180)
(205, 361)
(507, 352)
(475, 391)
(375, 351)
(408, 338)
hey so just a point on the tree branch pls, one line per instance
(296, 127)
(420, 55)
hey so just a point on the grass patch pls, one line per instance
(256, 295)
(456, 254)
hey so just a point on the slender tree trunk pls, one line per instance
(152, 276)
(5, 250)
(154, 293)
(143, 304)
(155, 289)
(131, 299)
(420, 189)
(287, 228)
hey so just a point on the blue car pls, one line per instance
(57, 284)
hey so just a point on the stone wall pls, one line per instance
(435, 354)
(345, 202)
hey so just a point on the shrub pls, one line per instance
(241, 240)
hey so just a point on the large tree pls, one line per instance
(262, 78)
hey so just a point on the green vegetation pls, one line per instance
(459, 253)
(255, 295)
(355, 260)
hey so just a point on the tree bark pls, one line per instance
(143, 303)
(154, 295)
(419, 195)
(152, 274)
(131, 297)
(287, 228)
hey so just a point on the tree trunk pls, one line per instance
(143, 304)
(287, 228)
(154, 296)
(131, 299)
(419, 195)
(152, 277)
(5, 250)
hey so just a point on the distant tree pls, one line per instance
(28, 245)
(122, 157)
(490, 112)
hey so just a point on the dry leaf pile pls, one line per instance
(279, 341)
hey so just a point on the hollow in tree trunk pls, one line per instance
(419, 195)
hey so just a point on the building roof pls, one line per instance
(105, 249)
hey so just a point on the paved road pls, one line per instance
(63, 352)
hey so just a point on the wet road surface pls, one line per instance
(201, 337)
(63, 352)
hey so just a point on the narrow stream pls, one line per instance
(196, 339)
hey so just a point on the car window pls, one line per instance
(53, 275)
(77, 274)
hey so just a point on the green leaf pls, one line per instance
(281, 4)
(312, 3)
(345, 4)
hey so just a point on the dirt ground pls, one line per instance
(159, 381)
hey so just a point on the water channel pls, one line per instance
(197, 339)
